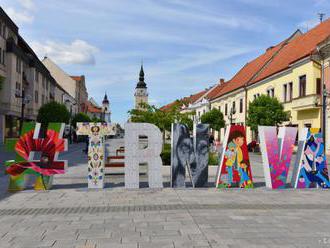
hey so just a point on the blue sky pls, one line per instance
(186, 45)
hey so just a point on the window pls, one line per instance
(255, 96)
(43, 99)
(37, 76)
(47, 83)
(270, 92)
(18, 65)
(3, 57)
(290, 91)
(318, 86)
(234, 107)
(285, 92)
(43, 81)
(36, 97)
(226, 109)
(4, 31)
(241, 105)
(302, 86)
(18, 86)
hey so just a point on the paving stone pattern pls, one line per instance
(71, 215)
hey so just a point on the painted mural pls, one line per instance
(234, 169)
(310, 169)
(36, 156)
(182, 153)
(96, 133)
(276, 154)
(199, 168)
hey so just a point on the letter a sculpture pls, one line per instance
(27, 163)
(96, 133)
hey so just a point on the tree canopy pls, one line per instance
(266, 111)
(53, 112)
(161, 118)
(80, 117)
(214, 118)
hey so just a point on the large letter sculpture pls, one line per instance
(276, 154)
(199, 169)
(234, 168)
(26, 163)
(310, 169)
(190, 154)
(96, 133)
(135, 155)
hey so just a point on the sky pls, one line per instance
(185, 45)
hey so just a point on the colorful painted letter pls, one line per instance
(96, 133)
(137, 152)
(276, 154)
(234, 169)
(26, 163)
(310, 169)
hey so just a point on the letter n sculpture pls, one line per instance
(36, 156)
(276, 154)
(96, 133)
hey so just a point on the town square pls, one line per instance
(169, 123)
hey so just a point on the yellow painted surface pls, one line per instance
(309, 115)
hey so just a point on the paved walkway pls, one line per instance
(70, 215)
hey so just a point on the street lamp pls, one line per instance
(25, 100)
(70, 121)
(232, 112)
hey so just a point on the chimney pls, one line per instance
(221, 81)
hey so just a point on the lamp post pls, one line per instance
(232, 112)
(25, 100)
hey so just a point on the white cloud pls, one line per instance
(77, 52)
(27, 4)
(19, 16)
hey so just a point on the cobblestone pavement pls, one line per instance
(70, 215)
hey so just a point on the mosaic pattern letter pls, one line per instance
(136, 155)
(276, 154)
(26, 163)
(310, 169)
(199, 169)
(234, 169)
(182, 152)
(96, 133)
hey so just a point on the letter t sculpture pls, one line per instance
(96, 133)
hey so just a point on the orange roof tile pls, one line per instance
(93, 109)
(76, 78)
(297, 49)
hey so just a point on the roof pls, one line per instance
(77, 78)
(251, 69)
(297, 49)
(185, 100)
(92, 109)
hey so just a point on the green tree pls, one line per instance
(265, 111)
(80, 117)
(214, 118)
(53, 112)
(161, 118)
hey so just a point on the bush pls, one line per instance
(213, 158)
(80, 117)
(166, 154)
(53, 112)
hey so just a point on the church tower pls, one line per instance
(106, 114)
(141, 93)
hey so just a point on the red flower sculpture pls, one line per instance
(48, 147)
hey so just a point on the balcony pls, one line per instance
(306, 102)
